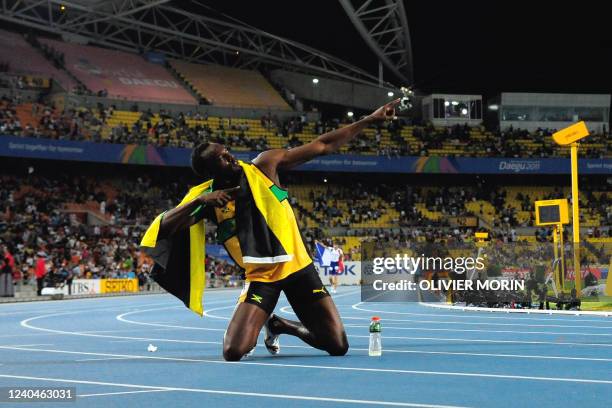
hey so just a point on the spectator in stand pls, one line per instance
(68, 273)
(7, 265)
(41, 272)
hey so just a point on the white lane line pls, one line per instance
(237, 393)
(564, 343)
(411, 351)
(459, 315)
(25, 323)
(210, 342)
(171, 302)
(27, 345)
(105, 359)
(388, 319)
(124, 301)
(25, 335)
(208, 313)
(546, 333)
(3, 314)
(285, 309)
(461, 353)
(135, 329)
(92, 332)
(120, 393)
(520, 311)
(333, 368)
(100, 309)
(334, 296)
(388, 350)
(122, 318)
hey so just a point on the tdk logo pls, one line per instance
(348, 270)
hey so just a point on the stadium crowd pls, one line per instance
(173, 130)
(49, 238)
(46, 217)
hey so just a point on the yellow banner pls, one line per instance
(118, 285)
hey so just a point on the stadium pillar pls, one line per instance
(576, 219)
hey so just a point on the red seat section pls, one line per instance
(121, 74)
(22, 58)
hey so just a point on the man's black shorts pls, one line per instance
(301, 287)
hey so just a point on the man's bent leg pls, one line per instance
(320, 326)
(243, 330)
(255, 304)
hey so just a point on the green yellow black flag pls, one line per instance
(179, 260)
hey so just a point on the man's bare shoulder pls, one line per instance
(269, 157)
(269, 161)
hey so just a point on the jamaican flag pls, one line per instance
(179, 260)
(263, 219)
(258, 228)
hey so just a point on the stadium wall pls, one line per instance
(12, 146)
(532, 126)
(532, 111)
(332, 91)
(95, 287)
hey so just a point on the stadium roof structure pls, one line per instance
(170, 28)
(383, 24)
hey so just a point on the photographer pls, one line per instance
(7, 263)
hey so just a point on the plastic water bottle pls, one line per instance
(375, 348)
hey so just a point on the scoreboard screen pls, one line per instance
(551, 212)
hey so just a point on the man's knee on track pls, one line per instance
(338, 346)
(231, 353)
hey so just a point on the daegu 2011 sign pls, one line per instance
(27, 147)
(118, 285)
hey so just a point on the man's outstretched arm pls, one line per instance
(327, 143)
